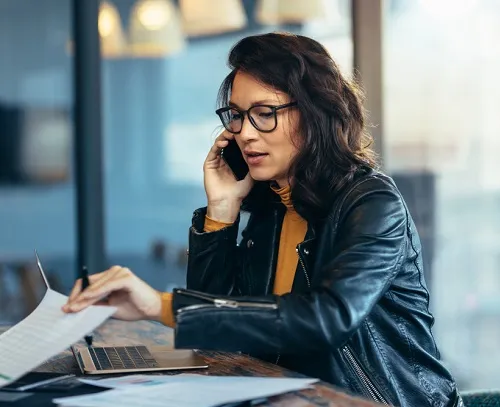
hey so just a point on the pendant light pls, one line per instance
(155, 29)
(202, 17)
(273, 12)
(110, 30)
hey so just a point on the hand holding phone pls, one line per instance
(226, 178)
(233, 157)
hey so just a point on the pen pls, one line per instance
(85, 284)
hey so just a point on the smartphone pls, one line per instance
(233, 157)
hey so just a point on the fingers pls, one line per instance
(95, 296)
(112, 273)
(93, 278)
(248, 179)
(98, 284)
(214, 152)
(225, 135)
(77, 288)
(220, 142)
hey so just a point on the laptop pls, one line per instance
(130, 359)
(137, 358)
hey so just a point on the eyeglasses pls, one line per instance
(262, 117)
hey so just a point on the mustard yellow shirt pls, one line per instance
(293, 231)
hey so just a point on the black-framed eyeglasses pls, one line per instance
(262, 117)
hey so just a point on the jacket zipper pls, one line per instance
(222, 303)
(360, 373)
(372, 390)
(303, 267)
(308, 285)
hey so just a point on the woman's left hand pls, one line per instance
(118, 287)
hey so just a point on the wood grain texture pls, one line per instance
(117, 333)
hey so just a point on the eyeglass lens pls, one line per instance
(263, 118)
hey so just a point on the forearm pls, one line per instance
(213, 254)
(286, 324)
(207, 326)
(167, 315)
(280, 324)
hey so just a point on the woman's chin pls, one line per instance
(261, 175)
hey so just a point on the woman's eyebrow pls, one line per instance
(257, 102)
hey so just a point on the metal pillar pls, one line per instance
(88, 139)
(367, 29)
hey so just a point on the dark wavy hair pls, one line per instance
(334, 143)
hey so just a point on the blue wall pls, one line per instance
(141, 98)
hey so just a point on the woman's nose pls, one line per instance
(248, 131)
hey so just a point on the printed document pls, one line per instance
(128, 381)
(205, 391)
(44, 333)
(135, 380)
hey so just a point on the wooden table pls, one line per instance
(149, 333)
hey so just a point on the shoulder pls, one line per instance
(370, 181)
(372, 191)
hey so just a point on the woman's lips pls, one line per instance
(255, 159)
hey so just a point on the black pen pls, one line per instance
(85, 284)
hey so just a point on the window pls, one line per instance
(441, 136)
(37, 209)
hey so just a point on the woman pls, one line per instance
(328, 278)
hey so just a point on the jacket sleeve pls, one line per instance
(212, 257)
(363, 261)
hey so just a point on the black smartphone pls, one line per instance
(233, 157)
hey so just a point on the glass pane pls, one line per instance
(441, 133)
(36, 185)
(160, 122)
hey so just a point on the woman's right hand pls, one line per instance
(224, 192)
(133, 298)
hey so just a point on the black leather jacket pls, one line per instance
(358, 314)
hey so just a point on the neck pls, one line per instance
(282, 183)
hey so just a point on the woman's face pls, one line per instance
(268, 155)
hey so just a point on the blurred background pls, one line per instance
(430, 70)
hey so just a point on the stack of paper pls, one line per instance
(184, 391)
(44, 333)
(127, 381)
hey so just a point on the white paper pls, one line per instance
(44, 333)
(208, 392)
(142, 380)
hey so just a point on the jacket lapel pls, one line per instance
(262, 257)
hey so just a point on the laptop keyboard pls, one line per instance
(122, 357)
